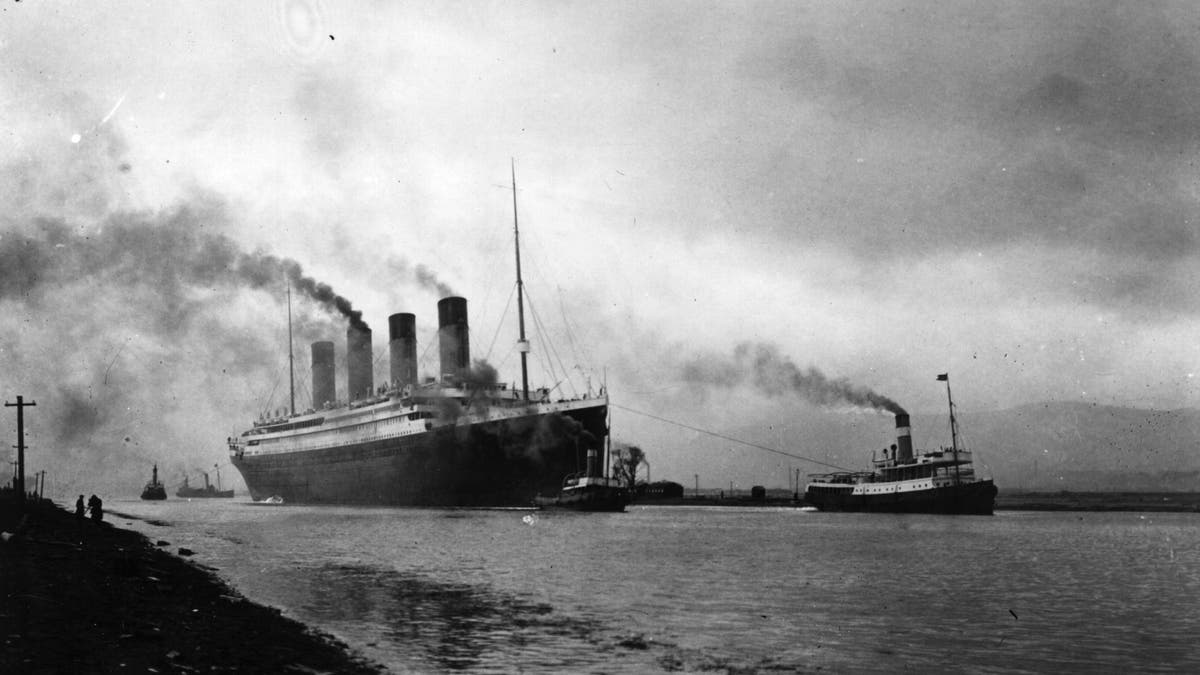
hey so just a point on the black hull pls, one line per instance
(595, 499)
(204, 494)
(498, 463)
(154, 493)
(978, 498)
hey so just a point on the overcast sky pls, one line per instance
(882, 191)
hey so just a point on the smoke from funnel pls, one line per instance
(764, 368)
(171, 251)
(132, 331)
(426, 278)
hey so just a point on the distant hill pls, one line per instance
(1082, 446)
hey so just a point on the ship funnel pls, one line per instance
(453, 339)
(324, 389)
(402, 342)
(904, 449)
(593, 463)
(359, 364)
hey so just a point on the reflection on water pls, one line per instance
(715, 589)
(450, 626)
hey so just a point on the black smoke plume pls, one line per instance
(174, 252)
(764, 368)
(480, 379)
(134, 334)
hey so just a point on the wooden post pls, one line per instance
(19, 481)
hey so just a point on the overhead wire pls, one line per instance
(729, 438)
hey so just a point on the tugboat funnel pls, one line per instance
(904, 449)
(593, 463)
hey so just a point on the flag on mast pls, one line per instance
(944, 377)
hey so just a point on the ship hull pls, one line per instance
(204, 494)
(495, 463)
(154, 493)
(976, 498)
(600, 498)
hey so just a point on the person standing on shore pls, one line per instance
(80, 510)
(96, 507)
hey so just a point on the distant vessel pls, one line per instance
(460, 439)
(589, 491)
(941, 481)
(154, 490)
(188, 492)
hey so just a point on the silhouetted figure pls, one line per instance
(97, 508)
(79, 508)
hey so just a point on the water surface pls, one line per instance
(714, 589)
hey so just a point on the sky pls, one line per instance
(867, 193)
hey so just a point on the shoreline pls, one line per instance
(88, 597)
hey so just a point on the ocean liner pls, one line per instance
(940, 481)
(459, 439)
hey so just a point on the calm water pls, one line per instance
(710, 589)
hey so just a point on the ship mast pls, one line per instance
(953, 426)
(607, 429)
(523, 344)
(291, 357)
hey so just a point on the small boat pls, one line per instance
(154, 490)
(589, 491)
(187, 492)
(273, 500)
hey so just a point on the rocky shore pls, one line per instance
(82, 597)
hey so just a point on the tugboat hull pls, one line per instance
(976, 498)
(588, 498)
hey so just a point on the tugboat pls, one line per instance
(154, 490)
(589, 491)
(188, 492)
(942, 481)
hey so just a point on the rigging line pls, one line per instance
(551, 352)
(270, 397)
(500, 323)
(543, 340)
(729, 438)
(539, 334)
(576, 349)
(428, 345)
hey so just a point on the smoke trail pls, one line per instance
(172, 252)
(425, 277)
(480, 379)
(763, 367)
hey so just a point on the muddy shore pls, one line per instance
(82, 597)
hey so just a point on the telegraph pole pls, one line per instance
(19, 481)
